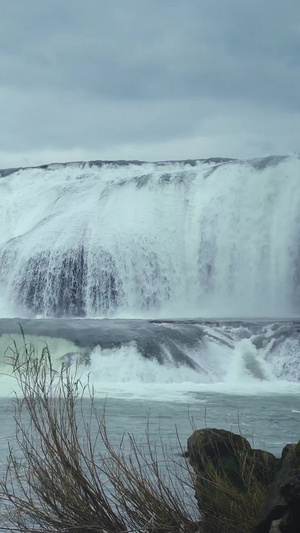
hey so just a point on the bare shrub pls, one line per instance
(231, 483)
(65, 475)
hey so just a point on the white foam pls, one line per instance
(247, 365)
(226, 362)
(181, 240)
(123, 372)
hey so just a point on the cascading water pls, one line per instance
(153, 239)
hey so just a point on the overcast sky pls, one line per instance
(148, 79)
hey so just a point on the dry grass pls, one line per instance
(64, 475)
(229, 491)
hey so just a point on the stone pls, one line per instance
(218, 455)
(230, 476)
(222, 448)
(282, 503)
(275, 526)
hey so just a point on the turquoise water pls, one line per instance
(245, 378)
(268, 422)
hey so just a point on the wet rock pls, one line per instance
(230, 476)
(215, 444)
(264, 466)
(281, 508)
(225, 450)
(275, 526)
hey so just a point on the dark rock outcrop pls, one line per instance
(231, 479)
(224, 449)
(281, 509)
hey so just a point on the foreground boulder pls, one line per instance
(231, 479)
(280, 512)
(225, 450)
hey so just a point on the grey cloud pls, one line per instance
(155, 49)
(96, 74)
(35, 117)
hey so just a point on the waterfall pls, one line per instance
(188, 238)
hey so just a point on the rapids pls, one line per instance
(95, 256)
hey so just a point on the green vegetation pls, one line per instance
(64, 475)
